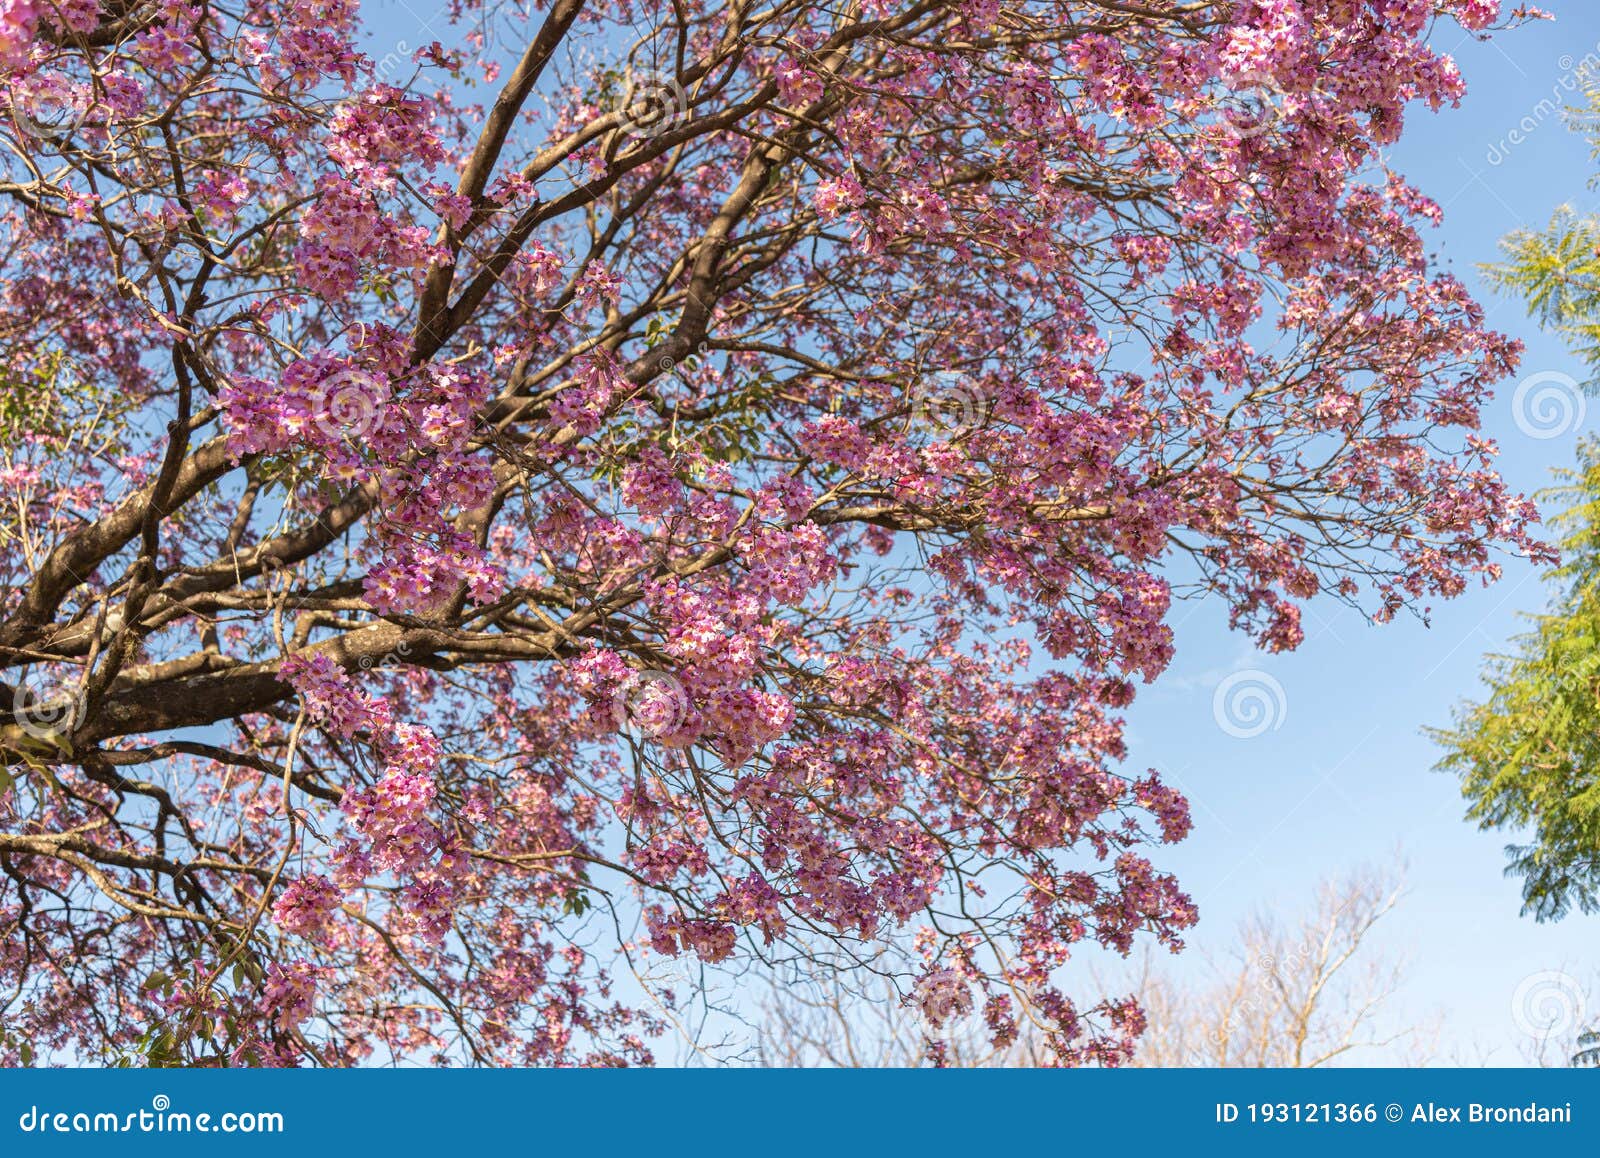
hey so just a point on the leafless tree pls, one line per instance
(1313, 993)
(1301, 996)
(1553, 1012)
(863, 1019)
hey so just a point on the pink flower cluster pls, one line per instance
(306, 905)
(383, 129)
(392, 815)
(368, 425)
(347, 236)
(19, 22)
(289, 993)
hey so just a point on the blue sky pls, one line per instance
(1344, 777)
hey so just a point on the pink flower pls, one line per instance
(289, 993)
(305, 906)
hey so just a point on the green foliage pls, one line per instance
(1557, 272)
(29, 398)
(25, 1051)
(1528, 755)
(1585, 119)
(205, 1035)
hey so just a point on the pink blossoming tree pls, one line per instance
(647, 480)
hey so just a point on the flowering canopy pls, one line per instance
(659, 479)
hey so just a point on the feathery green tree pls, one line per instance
(1528, 754)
